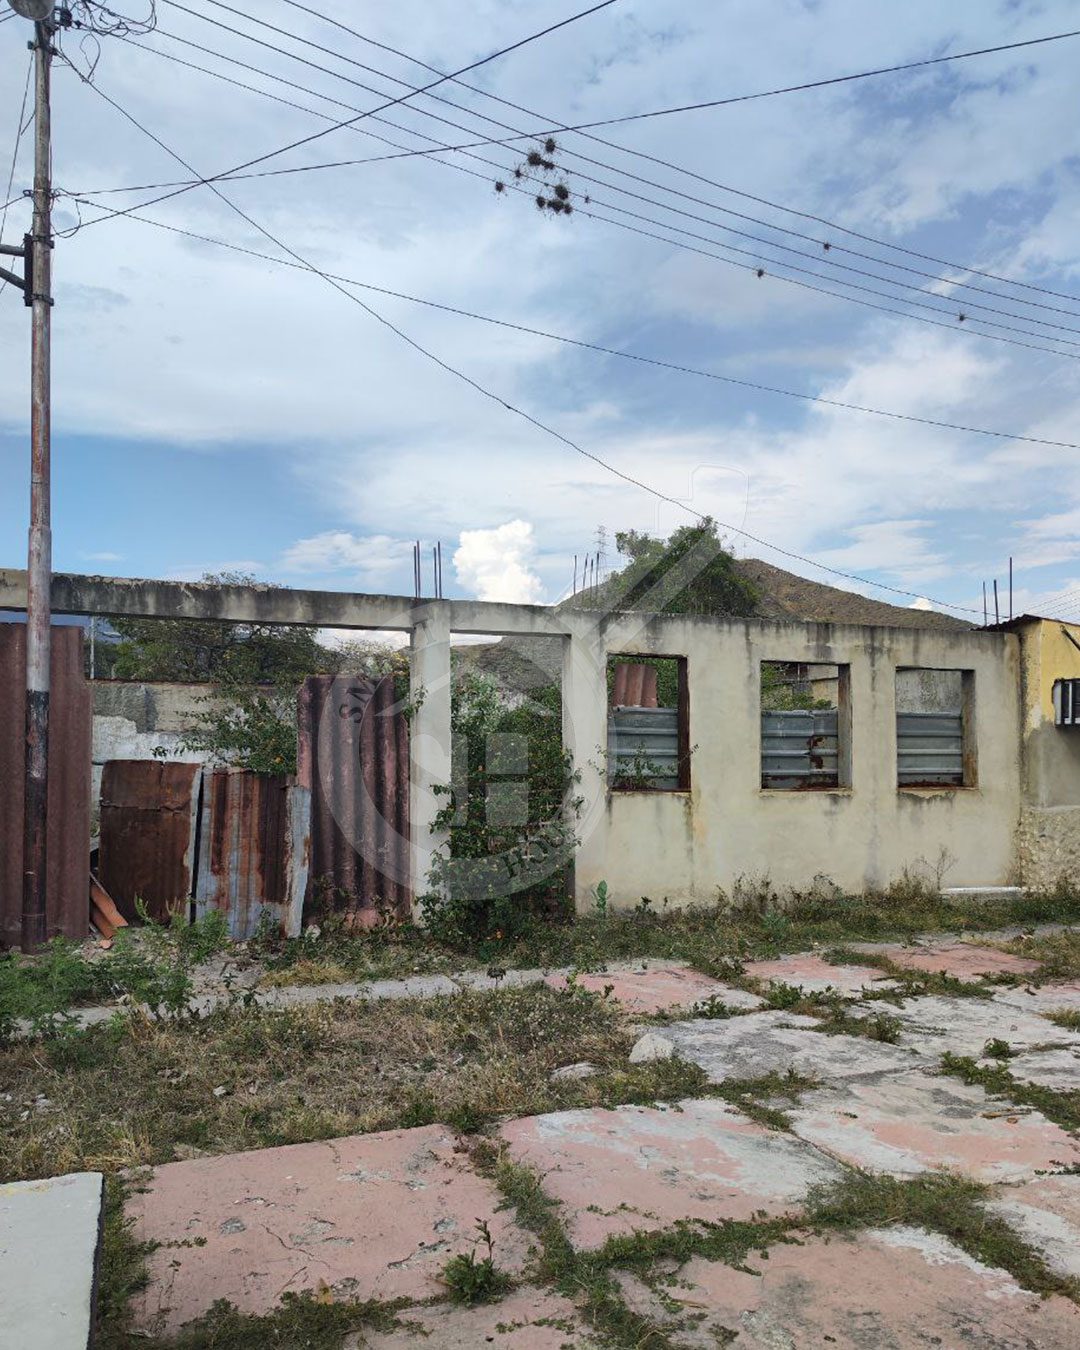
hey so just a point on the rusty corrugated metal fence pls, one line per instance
(354, 757)
(254, 843)
(68, 891)
(149, 814)
(188, 839)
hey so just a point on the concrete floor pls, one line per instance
(378, 1215)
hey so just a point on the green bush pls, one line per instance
(499, 875)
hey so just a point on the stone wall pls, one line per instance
(1048, 846)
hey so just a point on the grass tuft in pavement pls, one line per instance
(943, 1203)
(1063, 1108)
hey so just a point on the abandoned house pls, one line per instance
(707, 749)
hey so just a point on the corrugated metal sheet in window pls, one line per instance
(643, 748)
(799, 749)
(930, 749)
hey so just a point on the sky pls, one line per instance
(218, 411)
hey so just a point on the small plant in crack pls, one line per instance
(472, 1278)
(995, 1048)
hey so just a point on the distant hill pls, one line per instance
(783, 595)
(522, 663)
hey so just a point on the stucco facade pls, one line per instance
(684, 845)
(1048, 834)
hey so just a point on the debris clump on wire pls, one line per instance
(540, 166)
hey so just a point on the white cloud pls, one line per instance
(496, 564)
(103, 556)
(341, 551)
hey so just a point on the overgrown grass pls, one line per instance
(151, 965)
(715, 939)
(143, 1092)
(1058, 952)
(943, 1203)
(910, 983)
(1063, 1108)
(1066, 1017)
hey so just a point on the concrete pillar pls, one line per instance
(429, 738)
(584, 700)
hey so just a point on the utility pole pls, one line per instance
(37, 289)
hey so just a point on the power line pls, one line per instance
(652, 201)
(960, 315)
(489, 394)
(607, 351)
(600, 141)
(19, 129)
(390, 103)
(1069, 600)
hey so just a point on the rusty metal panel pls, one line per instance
(634, 685)
(149, 813)
(354, 756)
(800, 748)
(68, 893)
(254, 849)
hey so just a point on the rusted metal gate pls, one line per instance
(68, 891)
(253, 850)
(354, 756)
(149, 815)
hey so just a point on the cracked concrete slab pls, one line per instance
(369, 1216)
(899, 1288)
(807, 970)
(961, 960)
(767, 1042)
(1046, 1212)
(1058, 1069)
(655, 990)
(639, 1167)
(527, 1319)
(904, 1124)
(934, 1024)
(1061, 996)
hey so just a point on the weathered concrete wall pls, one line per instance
(1048, 836)
(1048, 846)
(1051, 768)
(685, 845)
(929, 691)
(133, 718)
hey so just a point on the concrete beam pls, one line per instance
(133, 597)
(429, 742)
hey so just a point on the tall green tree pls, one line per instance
(212, 651)
(702, 574)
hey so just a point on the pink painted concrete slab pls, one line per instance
(370, 1216)
(808, 971)
(961, 960)
(888, 1289)
(651, 991)
(646, 1167)
(527, 1319)
(912, 1122)
(1046, 1212)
